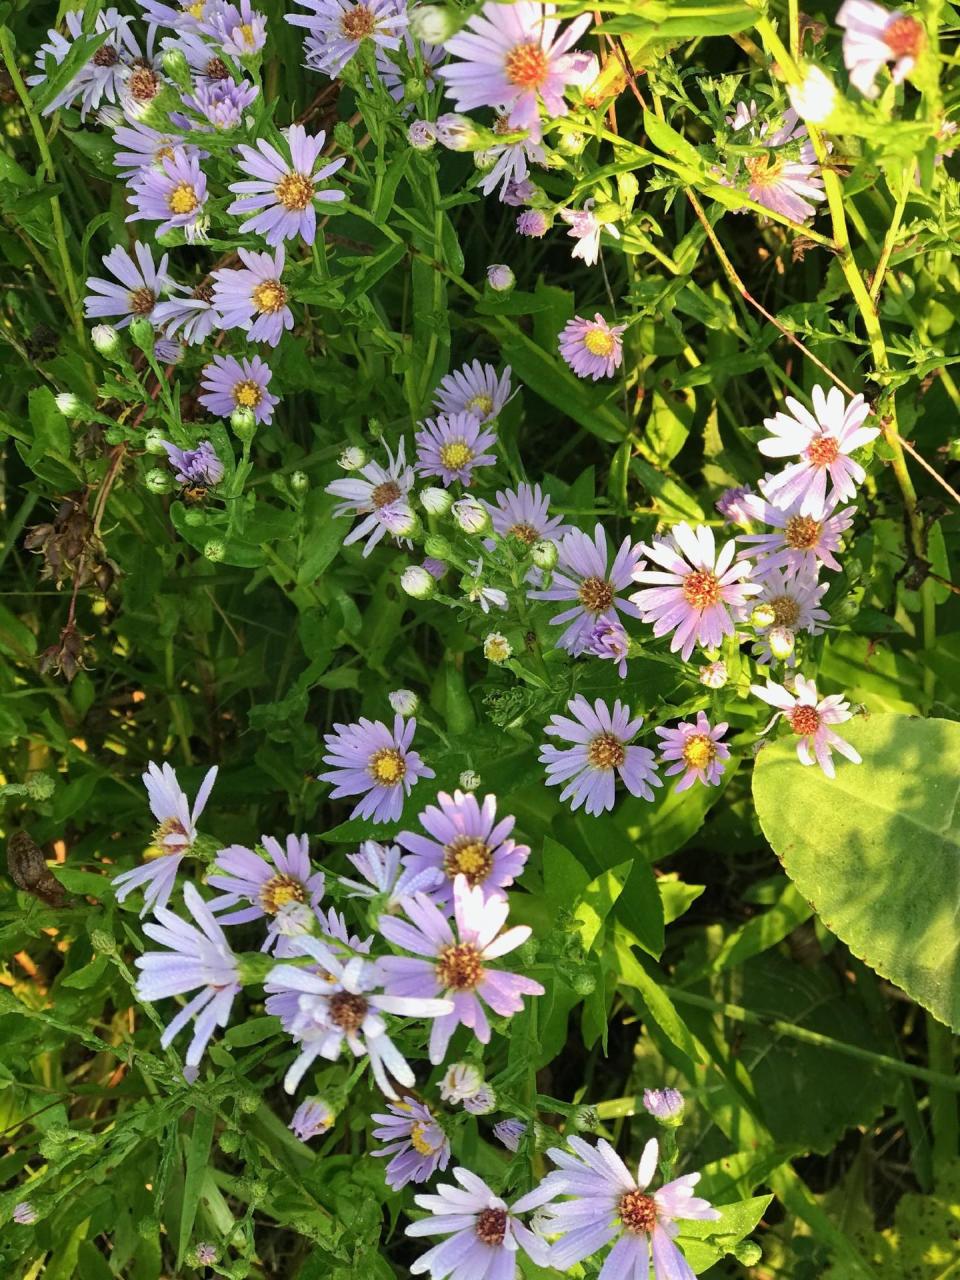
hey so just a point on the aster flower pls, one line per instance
(464, 838)
(254, 291)
(785, 176)
(461, 1081)
(533, 223)
(140, 83)
(264, 884)
(509, 160)
(204, 61)
(199, 956)
(732, 505)
(799, 544)
(510, 1133)
(474, 388)
(220, 102)
(824, 441)
(173, 838)
(381, 495)
(337, 28)
(283, 193)
(138, 292)
(141, 147)
(524, 513)
(231, 384)
(600, 752)
(486, 597)
(24, 1214)
(416, 1142)
(190, 314)
(874, 36)
(453, 959)
(592, 348)
(520, 192)
(101, 77)
(794, 599)
(608, 640)
(174, 195)
(237, 28)
(694, 749)
(333, 926)
(810, 718)
(199, 466)
(311, 1119)
(514, 57)
(185, 15)
(583, 578)
(609, 1206)
(482, 1102)
(369, 760)
(339, 1005)
(483, 1234)
(388, 875)
(693, 588)
(585, 229)
(452, 447)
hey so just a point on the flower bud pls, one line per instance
(584, 982)
(105, 339)
(665, 1105)
(482, 1102)
(343, 135)
(571, 143)
(313, 1117)
(763, 616)
(153, 442)
(435, 501)
(781, 641)
(403, 521)
(544, 554)
(141, 332)
(193, 518)
(243, 422)
(497, 648)
(500, 278)
(469, 780)
(176, 66)
(433, 23)
(24, 1214)
(413, 89)
(299, 481)
(714, 675)
(40, 787)
(422, 135)
(67, 403)
(471, 515)
(461, 1081)
(158, 481)
(483, 161)
(456, 132)
(103, 943)
(352, 458)
(404, 702)
(815, 98)
(533, 223)
(248, 1102)
(215, 550)
(437, 547)
(417, 582)
(586, 1119)
(205, 1254)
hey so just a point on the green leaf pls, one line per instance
(704, 1243)
(876, 851)
(597, 902)
(88, 976)
(197, 1155)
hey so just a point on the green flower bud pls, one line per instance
(105, 339)
(215, 550)
(40, 786)
(586, 1118)
(68, 404)
(433, 23)
(248, 1102)
(418, 582)
(763, 616)
(544, 554)
(105, 944)
(244, 423)
(141, 333)
(299, 482)
(158, 481)
(469, 780)
(193, 518)
(437, 547)
(153, 441)
(230, 1141)
(343, 135)
(781, 641)
(176, 66)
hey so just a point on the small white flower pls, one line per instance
(404, 702)
(497, 648)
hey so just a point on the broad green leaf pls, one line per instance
(876, 850)
(704, 1243)
(597, 901)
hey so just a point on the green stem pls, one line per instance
(943, 1100)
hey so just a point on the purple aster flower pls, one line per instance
(465, 839)
(695, 750)
(610, 1206)
(810, 718)
(138, 292)
(874, 36)
(340, 1004)
(371, 761)
(204, 61)
(453, 959)
(185, 15)
(510, 1133)
(283, 193)
(785, 175)
(237, 28)
(311, 1119)
(140, 84)
(476, 389)
(592, 348)
(693, 588)
(732, 507)
(510, 160)
(333, 926)
(264, 884)
(174, 196)
(513, 58)
(665, 1105)
(221, 102)
(609, 641)
(601, 750)
(101, 77)
(238, 384)
(174, 836)
(381, 495)
(799, 543)
(198, 957)
(583, 577)
(24, 1214)
(483, 1234)
(388, 875)
(824, 441)
(533, 223)
(585, 229)
(436, 568)
(416, 1142)
(519, 193)
(145, 148)
(168, 352)
(191, 315)
(451, 447)
(199, 466)
(254, 291)
(337, 28)
(524, 513)
(794, 599)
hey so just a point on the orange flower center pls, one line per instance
(801, 533)
(144, 84)
(764, 170)
(217, 69)
(280, 890)
(904, 37)
(638, 1212)
(804, 720)
(459, 967)
(295, 191)
(524, 532)
(701, 589)
(606, 751)
(822, 450)
(527, 66)
(270, 296)
(106, 56)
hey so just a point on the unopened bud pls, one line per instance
(103, 943)
(665, 1105)
(482, 1102)
(422, 135)
(483, 161)
(141, 333)
(158, 481)
(67, 403)
(215, 550)
(417, 582)
(437, 547)
(343, 135)
(248, 1102)
(571, 143)
(500, 278)
(435, 501)
(404, 701)
(456, 132)
(544, 554)
(433, 23)
(176, 66)
(40, 786)
(586, 1118)
(497, 648)
(403, 522)
(413, 88)
(299, 481)
(243, 422)
(105, 339)
(782, 642)
(352, 458)
(471, 516)
(763, 616)
(469, 780)
(714, 675)
(153, 442)
(461, 1081)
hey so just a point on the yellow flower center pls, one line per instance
(294, 191)
(270, 296)
(764, 170)
(280, 890)
(599, 342)
(182, 199)
(699, 750)
(480, 404)
(247, 394)
(246, 30)
(467, 856)
(455, 454)
(196, 10)
(524, 533)
(459, 967)
(801, 533)
(420, 1142)
(387, 766)
(157, 848)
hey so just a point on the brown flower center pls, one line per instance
(638, 1212)
(491, 1227)
(280, 890)
(596, 595)
(347, 1011)
(699, 750)
(247, 394)
(216, 69)
(358, 23)
(459, 967)
(822, 450)
(786, 611)
(294, 191)
(701, 589)
(269, 296)
(387, 766)
(144, 84)
(606, 751)
(804, 720)
(204, 292)
(524, 532)
(106, 56)
(385, 493)
(801, 533)
(182, 199)
(455, 454)
(527, 65)
(904, 37)
(158, 848)
(142, 301)
(467, 856)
